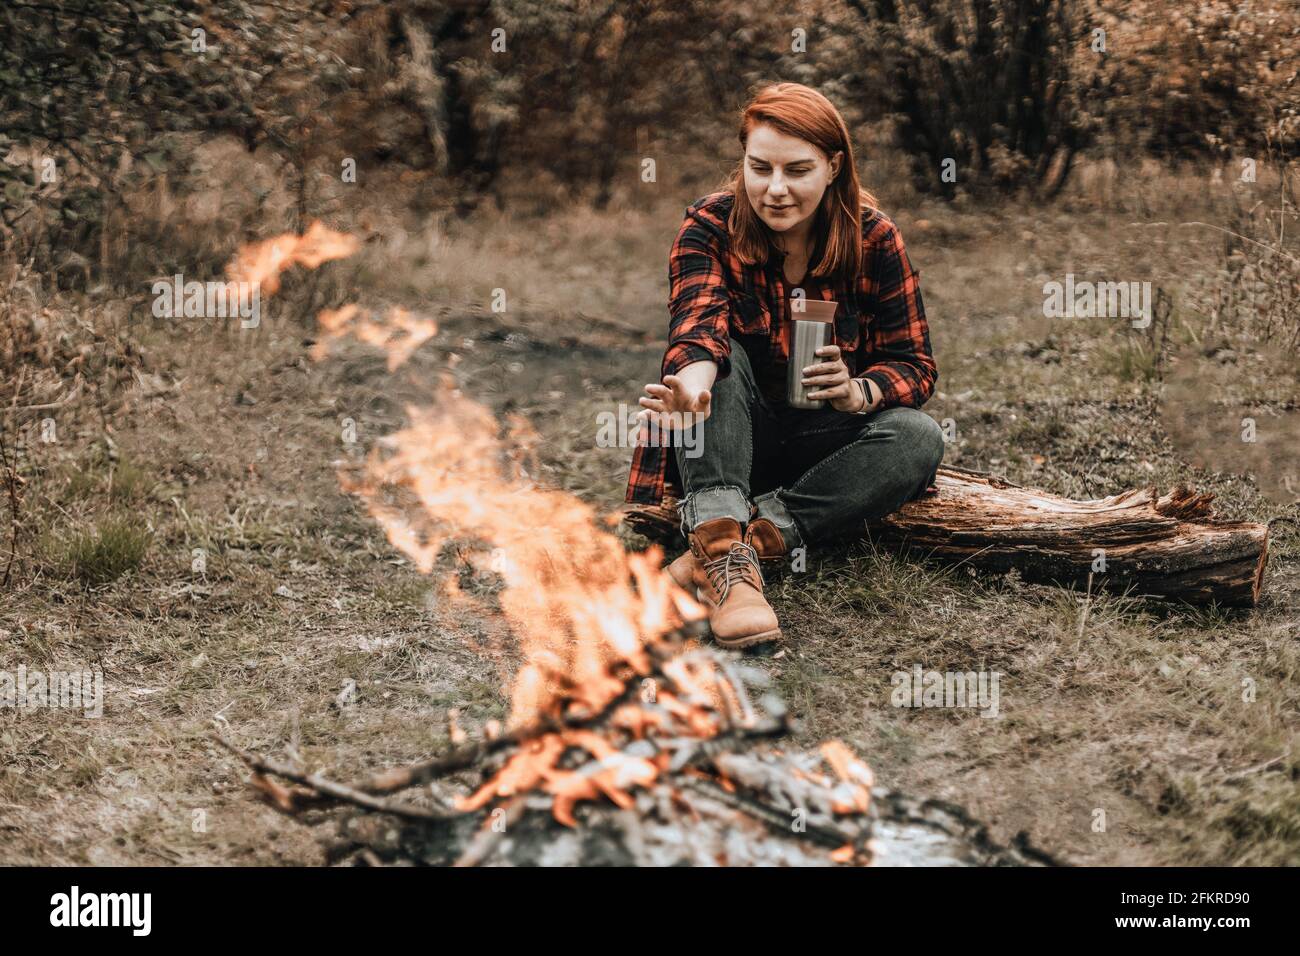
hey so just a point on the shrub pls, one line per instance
(992, 85)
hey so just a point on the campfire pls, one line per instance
(683, 765)
(676, 766)
(629, 739)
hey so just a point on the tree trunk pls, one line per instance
(1168, 546)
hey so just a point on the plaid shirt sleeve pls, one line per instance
(699, 308)
(699, 319)
(896, 335)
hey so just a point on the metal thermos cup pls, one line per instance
(809, 330)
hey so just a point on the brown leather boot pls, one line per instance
(760, 534)
(682, 571)
(765, 538)
(729, 581)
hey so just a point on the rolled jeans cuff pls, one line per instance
(771, 507)
(724, 501)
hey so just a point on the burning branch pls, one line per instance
(318, 788)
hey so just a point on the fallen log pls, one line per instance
(1139, 541)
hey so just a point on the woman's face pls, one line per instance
(785, 177)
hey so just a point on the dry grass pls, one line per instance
(226, 448)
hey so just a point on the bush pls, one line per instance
(990, 85)
(1206, 78)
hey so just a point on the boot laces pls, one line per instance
(732, 568)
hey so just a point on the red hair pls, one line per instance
(800, 111)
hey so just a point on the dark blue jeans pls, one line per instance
(818, 475)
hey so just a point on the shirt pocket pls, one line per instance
(749, 314)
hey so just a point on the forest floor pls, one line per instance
(229, 443)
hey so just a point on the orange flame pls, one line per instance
(576, 599)
(399, 334)
(262, 262)
(853, 793)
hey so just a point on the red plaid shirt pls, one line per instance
(880, 325)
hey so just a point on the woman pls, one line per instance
(762, 478)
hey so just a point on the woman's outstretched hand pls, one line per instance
(831, 381)
(674, 405)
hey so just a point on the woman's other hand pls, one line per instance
(831, 381)
(675, 404)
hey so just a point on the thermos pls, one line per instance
(809, 330)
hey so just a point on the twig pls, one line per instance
(772, 818)
(48, 406)
(1241, 774)
(328, 787)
